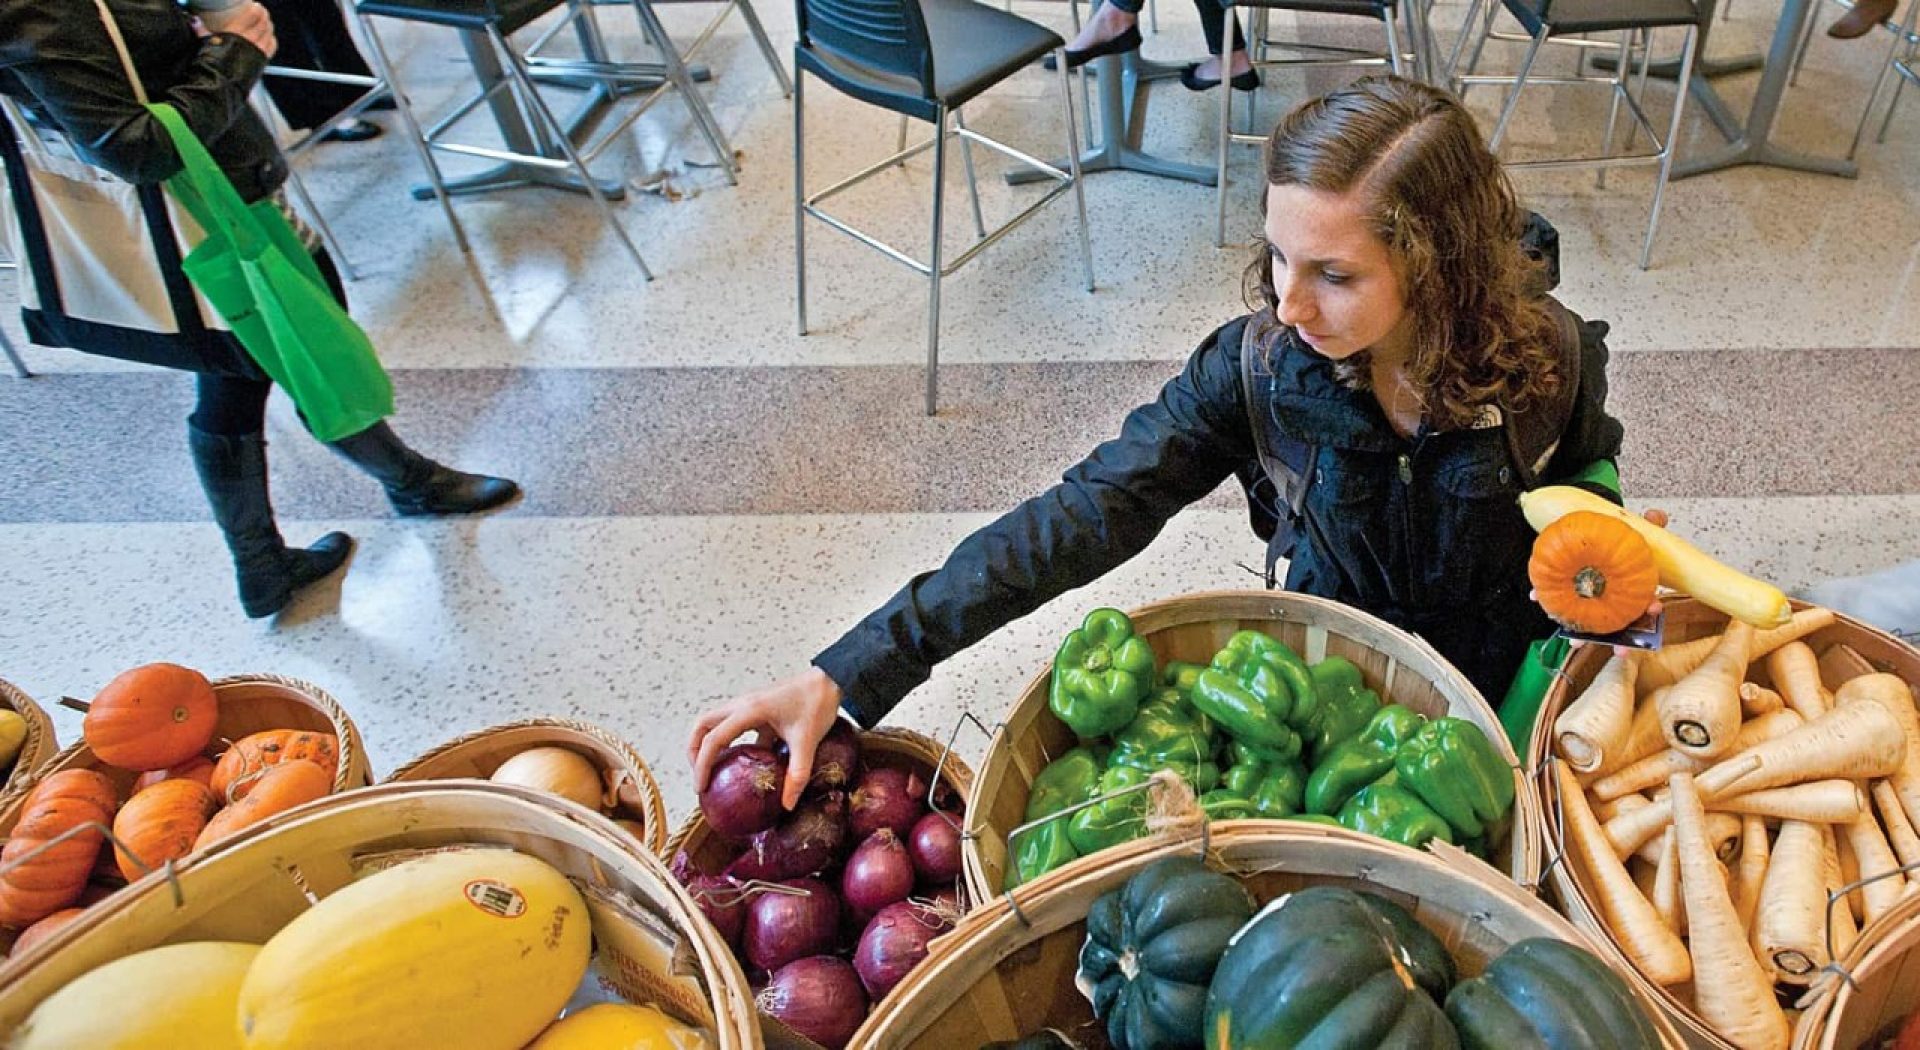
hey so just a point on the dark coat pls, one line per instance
(56, 57)
(1425, 533)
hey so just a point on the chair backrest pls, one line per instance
(883, 36)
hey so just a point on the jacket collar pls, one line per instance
(1311, 406)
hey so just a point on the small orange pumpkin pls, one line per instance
(257, 751)
(43, 929)
(1592, 573)
(160, 824)
(31, 890)
(199, 768)
(152, 717)
(291, 783)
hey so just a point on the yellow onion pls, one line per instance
(556, 771)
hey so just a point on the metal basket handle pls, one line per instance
(173, 877)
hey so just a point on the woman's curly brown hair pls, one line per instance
(1443, 205)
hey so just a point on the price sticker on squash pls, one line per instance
(496, 898)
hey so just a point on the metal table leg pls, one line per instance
(1754, 144)
(13, 357)
(1704, 68)
(1123, 81)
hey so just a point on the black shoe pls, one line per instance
(1128, 40)
(233, 472)
(354, 131)
(416, 485)
(383, 103)
(1190, 79)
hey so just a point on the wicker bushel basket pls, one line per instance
(1880, 990)
(1008, 969)
(39, 744)
(1400, 667)
(477, 754)
(248, 704)
(649, 943)
(1686, 620)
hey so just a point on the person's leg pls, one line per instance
(230, 456)
(415, 484)
(1114, 19)
(313, 36)
(1860, 21)
(1208, 73)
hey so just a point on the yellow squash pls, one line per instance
(477, 949)
(1683, 566)
(620, 1026)
(13, 735)
(179, 995)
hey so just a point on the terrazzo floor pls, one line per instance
(714, 498)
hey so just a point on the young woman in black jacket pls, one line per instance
(57, 59)
(1401, 325)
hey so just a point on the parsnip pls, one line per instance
(1893, 694)
(1796, 673)
(1597, 722)
(1606, 809)
(1789, 922)
(1643, 736)
(1723, 830)
(1838, 910)
(1657, 767)
(1855, 742)
(1646, 941)
(1730, 988)
(1700, 715)
(1816, 802)
(1670, 663)
(1757, 699)
(1752, 870)
(1893, 817)
(1666, 890)
(1872, 856)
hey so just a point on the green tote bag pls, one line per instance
(254, 270)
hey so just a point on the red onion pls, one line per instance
(879, 873)
(782, 927)
(804, 843)
(836, 759)
(820, 998)
(720, 900)
(743, 794)
(894, 943)
(935, 845)
(683, 868)
(886, 798)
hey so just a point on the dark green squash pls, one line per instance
(1544, 994)
(1328, 967)
(1151, 948)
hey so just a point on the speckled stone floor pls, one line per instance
(713, 498)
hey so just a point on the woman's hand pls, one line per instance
(253, 24)
(798, 710)
(1658, 517)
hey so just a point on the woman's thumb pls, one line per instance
(799, 770)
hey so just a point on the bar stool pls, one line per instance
(923, 59)
(1386, 12)
(1547, 19)
(1902, 69)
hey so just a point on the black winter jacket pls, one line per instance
(1425, 533)
(56, 57)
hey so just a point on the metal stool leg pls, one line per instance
(1886, 70)
(1620, 69)
(683, 82)
(297, 187)
(933, 267)
(1671, 145)
(752, 18)
(1225, 135)
(799, 200)
(1073, 163)
(1899, 85)
(973, 186)
(1460, 46)
(1397, 62)
(517, 69)
(900, 140)
(1806, 44)
(20, 367)
(1513, 93)
(384, 69)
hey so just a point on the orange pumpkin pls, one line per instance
(32, 889)
(43, 929)
(152, 717)
(258, 751)
(291, 783)
(199, 768)
(1592, 573)
(160, 824)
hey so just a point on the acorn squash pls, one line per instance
(1151, 948)
(1544, 994)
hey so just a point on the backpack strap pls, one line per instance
(1534, 436)
(1286, 461)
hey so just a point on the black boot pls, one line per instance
(417, 485)
(233, 471)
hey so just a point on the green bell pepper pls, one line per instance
(1115, 820)
(1248, 698)
(1167, 734)
(1346, 704)
(1040, 851)
(1221, 804)
(1316, 818)
(1270, 787)
(1393, 813)
(1101, 673)
(1287, 664)
(1066, 781)
(1453, 767)
(1279, 794)
(1179, 674)
(1360, 759)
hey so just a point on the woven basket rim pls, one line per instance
(652, 804)
(1565, 885)
(40, 743)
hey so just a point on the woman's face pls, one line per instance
(1338, 285)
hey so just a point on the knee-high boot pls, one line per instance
(233, 472)
(415, 484)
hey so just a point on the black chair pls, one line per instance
(1558, 20)
(1385, 12)
(923, 59)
